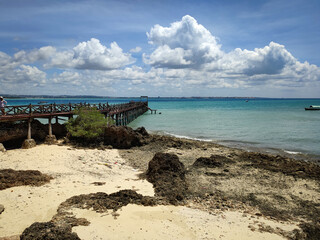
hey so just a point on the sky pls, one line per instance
(129, 48)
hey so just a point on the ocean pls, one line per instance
(278, 126)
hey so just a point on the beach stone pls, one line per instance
(1, 208)
(50, 139)
(2, 148)
(167, 174)
(28, 143)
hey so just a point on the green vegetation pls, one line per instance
(89, 124)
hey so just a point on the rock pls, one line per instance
(2, 148)
(48, 230)
(50, 139)
(1, 208)
(28, 143)
(122, 137)
(167, 174)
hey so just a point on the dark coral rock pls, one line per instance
(167, 174)
(122, 137)
(11, 178)
(101, 201)
(48, 231)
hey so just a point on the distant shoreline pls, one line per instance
(14, 96)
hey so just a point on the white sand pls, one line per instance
(74, 171)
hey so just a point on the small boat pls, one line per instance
(42, 102)
(312, 107)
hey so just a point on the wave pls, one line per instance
(159, 132)
(292, 152)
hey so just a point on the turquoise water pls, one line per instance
(275, 125)
(272, 124)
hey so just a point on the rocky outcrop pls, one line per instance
(167, 174)
(122, 137)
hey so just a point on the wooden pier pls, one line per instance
(122, 114)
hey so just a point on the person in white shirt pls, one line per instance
(3, 103)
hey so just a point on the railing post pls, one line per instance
(30, 109)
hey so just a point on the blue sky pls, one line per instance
(160, 48)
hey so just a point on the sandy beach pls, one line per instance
(216, 209)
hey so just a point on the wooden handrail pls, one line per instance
(68, 108)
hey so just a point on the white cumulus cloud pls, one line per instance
(190, 47)
(185, 44)
(92, 55)
(23, 74)
(136, 50)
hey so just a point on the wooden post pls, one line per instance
(50, 138)
(50, 126)
(29, 128)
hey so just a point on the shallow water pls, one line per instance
(272, 124)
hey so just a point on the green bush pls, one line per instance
(89, 124)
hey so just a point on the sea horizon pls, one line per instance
(40, 96)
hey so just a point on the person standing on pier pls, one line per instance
(3, 103)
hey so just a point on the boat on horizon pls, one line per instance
(312, 108)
